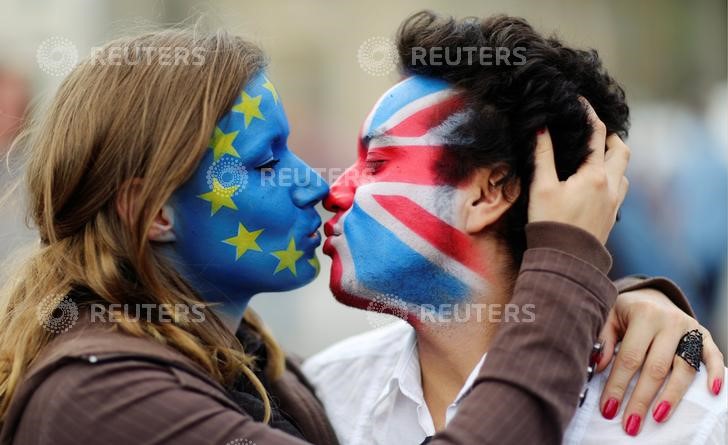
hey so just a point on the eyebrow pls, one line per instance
(380, 136)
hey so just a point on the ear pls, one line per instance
(162, 229)
(127, 202)
(488, 196)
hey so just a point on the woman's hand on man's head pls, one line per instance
(588, 199)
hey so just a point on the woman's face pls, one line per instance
(397, 233)
(245, 222)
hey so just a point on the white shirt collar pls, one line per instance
(405, 387)
(358, 381)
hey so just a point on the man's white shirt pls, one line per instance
(371, 388)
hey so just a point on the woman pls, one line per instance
(159, 237)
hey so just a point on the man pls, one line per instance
(429, 226)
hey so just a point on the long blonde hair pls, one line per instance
(126, 113)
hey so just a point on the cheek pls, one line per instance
(271, 209)
(234, 247)
(458, 208)
(399, 233)
(243, 253)
(412, 204)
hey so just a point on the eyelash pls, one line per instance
(373, 166)
(268, 165)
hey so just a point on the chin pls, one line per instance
(371, 304)
(352, 301)
(346, 298)
(292, 283)
(343, 287)
(337, 287)
(343, 294)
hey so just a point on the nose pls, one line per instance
(342, 192)
(310, 188)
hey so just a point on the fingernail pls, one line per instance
(597, 352)
(662, 410)
(596, 357)
(541, 130)
(633, 424)
(610, 408)
(717, 383)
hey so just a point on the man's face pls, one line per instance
(397, 233)
(242, 225)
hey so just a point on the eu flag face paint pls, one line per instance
(239, 228)
(397, 230)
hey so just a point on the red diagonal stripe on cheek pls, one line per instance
(446, 238)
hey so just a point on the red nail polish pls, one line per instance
(717, 383)
(610, 408)
(662, 410)
(596, 357)
(633, 424)
(541, 130)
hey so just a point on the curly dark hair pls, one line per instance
(509, 102)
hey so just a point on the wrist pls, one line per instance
(569, 239)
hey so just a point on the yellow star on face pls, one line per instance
(222, 143)
(269, 86)
(314, 262)
(244, 241)
(220, 196)
(287, 258)
(250, 107)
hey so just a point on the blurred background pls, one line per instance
(669, 55)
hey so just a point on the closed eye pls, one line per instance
(268, 165)
(374, 165)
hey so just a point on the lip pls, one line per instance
(331, 228)
(313, 235)
(314, 239)
(328, 249)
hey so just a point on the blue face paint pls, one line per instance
(245, 222)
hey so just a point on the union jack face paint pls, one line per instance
(397, 229)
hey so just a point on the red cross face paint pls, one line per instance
(398, 229)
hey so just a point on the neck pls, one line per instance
(231, 315)
(227, 305)
(449, 351)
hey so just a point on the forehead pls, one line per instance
(412, 107)
(255, 118)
